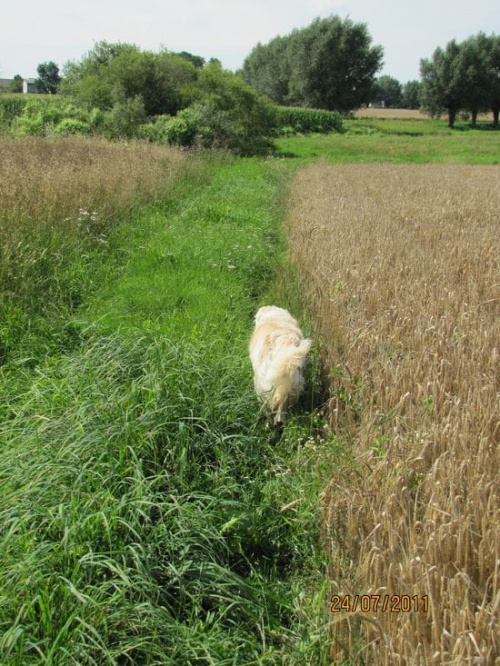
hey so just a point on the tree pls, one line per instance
(328, 65)
(411, 95)
(267, 69)
(493, 66)
(16, 85)
(387, 91)
(112, 73)
(474, 65)
(172, 86)
(443, 82)
(89, 81)
(195, 60)
(48, 77)
(463, 76)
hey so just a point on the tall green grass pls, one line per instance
(146, 515)
(61, 203)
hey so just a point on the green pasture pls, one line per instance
(401, 141)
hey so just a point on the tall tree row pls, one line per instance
(331, 64)
(463, 77)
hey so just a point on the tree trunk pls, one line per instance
(495, 116)
(452, 114)
(474, 118)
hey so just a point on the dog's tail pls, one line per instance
(292, 359)
(286, 384)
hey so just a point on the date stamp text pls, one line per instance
(379, 603)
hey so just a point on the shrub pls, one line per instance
(232, 114)
(125, 118)
(183, 129)
(155, 130)
(10, 108)
(43, 118)
(223, 113)
(229, 115)
(28, 126)
(70, 126)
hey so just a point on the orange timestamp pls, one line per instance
(379, 603)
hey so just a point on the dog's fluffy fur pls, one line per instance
(277, 352)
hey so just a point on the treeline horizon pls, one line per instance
(330, 64)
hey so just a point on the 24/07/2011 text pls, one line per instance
(374, 603)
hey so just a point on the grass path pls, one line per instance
(205, 261)
(142, 500)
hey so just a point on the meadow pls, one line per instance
(60, 206)
(147, 513)
(398, 140)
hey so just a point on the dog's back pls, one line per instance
(277, 351)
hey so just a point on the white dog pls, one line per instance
(277, 351)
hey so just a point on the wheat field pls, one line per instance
(403, 114)
(383, 113)
(400, 264)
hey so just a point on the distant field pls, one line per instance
(398, 140)
(389, 113)
(406, 114)
(4, 95)
(400, 265)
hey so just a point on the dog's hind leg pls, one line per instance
(280, 416)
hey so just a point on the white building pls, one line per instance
(29, 86)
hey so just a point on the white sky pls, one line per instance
(35, 31)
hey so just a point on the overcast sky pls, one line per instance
(35, 31)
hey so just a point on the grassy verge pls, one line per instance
(146, 516)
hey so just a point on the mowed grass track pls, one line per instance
(143, 508)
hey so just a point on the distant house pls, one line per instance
(29, 86)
